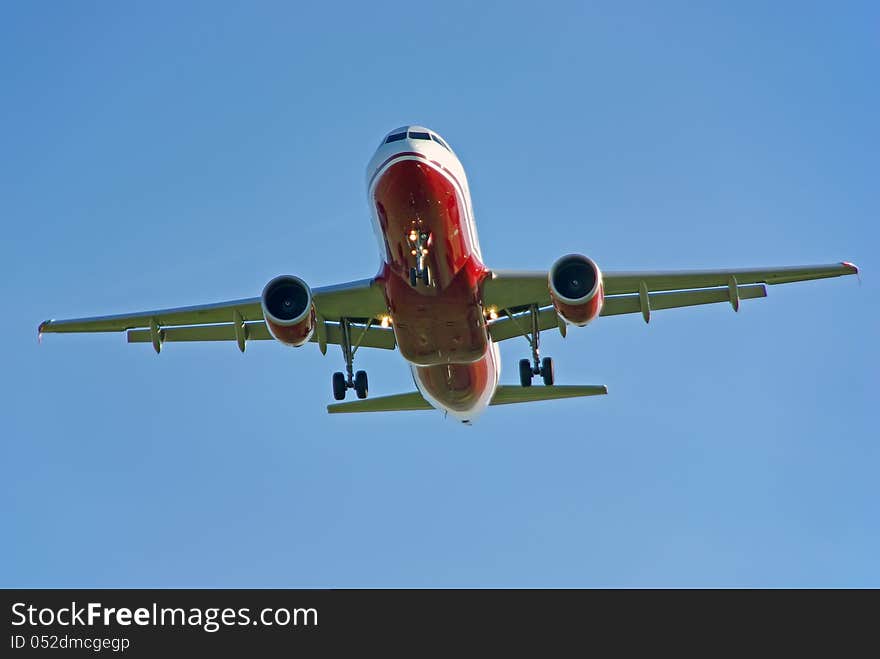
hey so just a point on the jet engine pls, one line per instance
(288, 310)
(576, 289)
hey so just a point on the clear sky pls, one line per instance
(161, 153)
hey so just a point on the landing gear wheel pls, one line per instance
(547, 370)
(525, 372)
(361, 386)
(413, 277)
(426, 276)
(339, 386)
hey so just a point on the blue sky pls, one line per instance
(165, 154)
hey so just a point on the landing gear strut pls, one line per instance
(419, 242)
(528, 369)
(342, 382)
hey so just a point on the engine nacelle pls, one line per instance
(576, 289)
(288, 310)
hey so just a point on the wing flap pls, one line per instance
(372, 337)
(256, 331)
(520, 324)
(621, 304)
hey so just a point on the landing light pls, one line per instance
(386, 321)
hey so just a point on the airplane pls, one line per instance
(436, 302)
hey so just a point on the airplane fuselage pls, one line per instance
(432, 269)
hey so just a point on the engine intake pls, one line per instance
(576, 289)
(288, 310)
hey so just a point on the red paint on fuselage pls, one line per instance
(442, 323)
(439, 328)
(412, 194)
(458, 386)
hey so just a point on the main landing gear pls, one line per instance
(342, 382)
(419, 242)
(528, 369)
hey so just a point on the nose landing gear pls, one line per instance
(528, 369)
(419, 243)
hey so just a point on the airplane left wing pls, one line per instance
(361, 302)
(511, 294)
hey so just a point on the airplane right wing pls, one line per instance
(617, 283)
(511, 294)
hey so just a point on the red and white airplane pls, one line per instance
(436, 301)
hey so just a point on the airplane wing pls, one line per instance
(510, 293)
(361, 302)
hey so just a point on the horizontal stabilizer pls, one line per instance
(394, 403)
(504, 395)
(507, 394)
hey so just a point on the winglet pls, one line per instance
(40, 330)
(853, 270)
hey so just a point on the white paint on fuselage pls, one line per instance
(440, 158)
(444, 160)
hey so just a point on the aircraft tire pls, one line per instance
(525, 372)
(339, 386)
(547, 371)
(361, 386)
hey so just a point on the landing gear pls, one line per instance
(547, 371)
(528, 369)
(342, 382)
(415, 275)
(419, 243)
(525, 373)
(339, 386)
(361, 387)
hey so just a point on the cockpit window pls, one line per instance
(416, 135)
(440, 142)
(395, 137)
